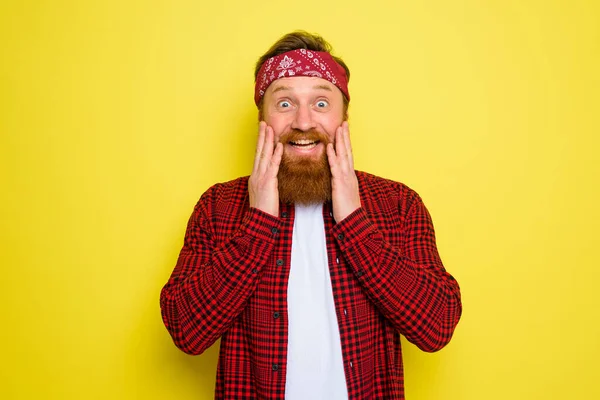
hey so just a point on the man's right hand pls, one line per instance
(262, 185)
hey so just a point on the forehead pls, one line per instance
(302, 84)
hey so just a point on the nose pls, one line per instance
(303, 119)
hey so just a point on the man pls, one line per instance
(307, 270)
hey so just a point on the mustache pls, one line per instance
(295, 135)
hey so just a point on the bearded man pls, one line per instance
(308, 270)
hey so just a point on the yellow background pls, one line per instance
(116, 115)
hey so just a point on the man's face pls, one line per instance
(303, 107)
(304, 113)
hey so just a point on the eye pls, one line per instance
(284, 104)
(322, 104)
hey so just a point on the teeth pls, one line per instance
(303, 142)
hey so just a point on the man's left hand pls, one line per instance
(344, 184)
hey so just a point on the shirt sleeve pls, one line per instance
(211, 282)
(407, 283)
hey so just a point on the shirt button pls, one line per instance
(280, 262)
(360, 272)
(254, 270)
(284, 214)
(341, 236)
(274, 230)
(275, 315)
(275, 367)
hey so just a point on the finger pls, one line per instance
(346, 134)
(275, 161)
(267, 151)
(340, 145)
(259, 144)
(332, 159)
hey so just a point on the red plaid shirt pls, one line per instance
(231, 278)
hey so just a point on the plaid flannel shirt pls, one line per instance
(230, 282)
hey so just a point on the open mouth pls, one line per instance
(304, 143)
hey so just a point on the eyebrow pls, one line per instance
(280, 88)
(283, 87)
(324, 87)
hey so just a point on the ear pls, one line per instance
(260, 110)
(346, 105)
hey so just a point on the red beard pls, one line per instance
(304, 180)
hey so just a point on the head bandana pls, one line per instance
(300, 62)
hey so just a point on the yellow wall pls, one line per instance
(116, 115)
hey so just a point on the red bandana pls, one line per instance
(300, 62)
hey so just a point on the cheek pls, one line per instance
(330, 122)
(277, 122)
(277, 132)
(330, 130)
(276, 137)
(278, 129)
(331, 137)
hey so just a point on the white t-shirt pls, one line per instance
(315, 368)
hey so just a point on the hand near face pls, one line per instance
(262, 184)
(344, 184)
